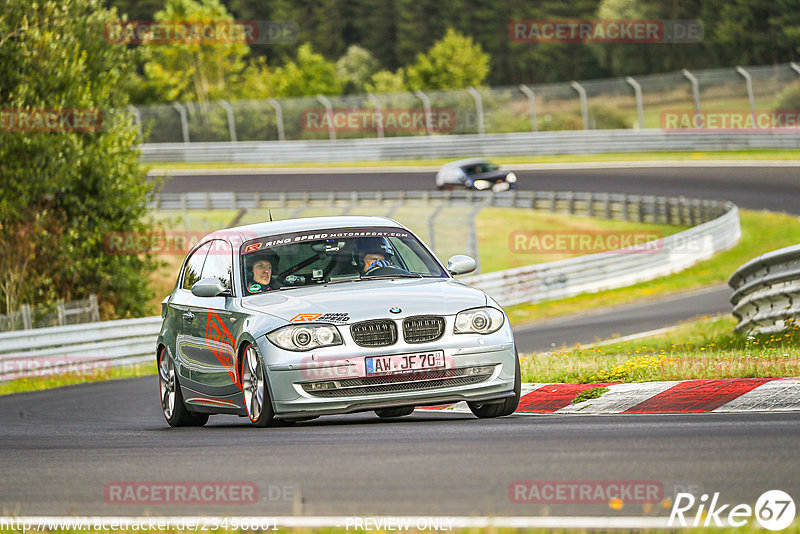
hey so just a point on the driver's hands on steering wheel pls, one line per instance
(378, 264)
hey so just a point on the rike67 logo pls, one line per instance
(774, 510)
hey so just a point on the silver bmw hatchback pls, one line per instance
(291, 320)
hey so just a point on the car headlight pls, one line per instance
(479, 321)
(305, 337)
(480, 185)
(511, 177)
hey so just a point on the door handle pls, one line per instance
(189, 316)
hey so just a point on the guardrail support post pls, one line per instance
(472, 239)
(531, 106)
(426, 104)
(278, 117)
(231, 125)
(637, 91)
(378, 113)
(584, 105)
(695, 97)
(749, 80)
(184, 122)
(328, 111)
(478, 109)
(137, 118)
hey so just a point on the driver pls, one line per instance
(373, 254)
(261, 268)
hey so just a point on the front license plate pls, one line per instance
(405, 363)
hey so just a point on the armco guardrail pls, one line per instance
(766, 294)
(77, 348)
(715, 227)
(719, 230)
(457, 146)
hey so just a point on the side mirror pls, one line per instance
(209, 287)
(460, 265)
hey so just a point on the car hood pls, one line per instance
(368, 299)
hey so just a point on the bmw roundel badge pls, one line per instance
(395, 310)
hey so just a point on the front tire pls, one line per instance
(388, 413)
(506, 407)
(255, 391)
(172, 404)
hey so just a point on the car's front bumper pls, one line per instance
(290, 374)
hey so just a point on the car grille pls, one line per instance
(399, 383)
(378, 333)
(423, 329)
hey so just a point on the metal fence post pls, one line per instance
(231, 125)
(637, 91)
(584, 105)
(531, 105)
(749, 80)
(94, 309)
(426, 104)
(184, 121)
(478, 108)
(137, 118)
(432, 226)
(378, 113)
(27, 324)
(278, 117)
(695, 96)
(328, 111)
(472, 238)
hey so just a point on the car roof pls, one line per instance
(465, 162)
(252, 231)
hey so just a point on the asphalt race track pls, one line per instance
(61, 448)
(770, 188)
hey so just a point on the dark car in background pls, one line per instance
(475, 173)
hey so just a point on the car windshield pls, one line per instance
(480, 168)
(299, 259)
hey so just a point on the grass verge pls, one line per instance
(706, 348)
(36, 383)
(733, 155)
(762, 231)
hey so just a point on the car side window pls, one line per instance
(219, 262)
(194, 267)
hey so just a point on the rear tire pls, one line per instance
(506, 407)
(172, 404)
(388, 413)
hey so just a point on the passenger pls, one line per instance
(262, 268)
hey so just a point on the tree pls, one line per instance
(386, 82)
(309, 74)
(355, 68)
(454, 62)
(195, 71)
(63, 192)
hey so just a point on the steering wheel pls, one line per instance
(385, 270)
